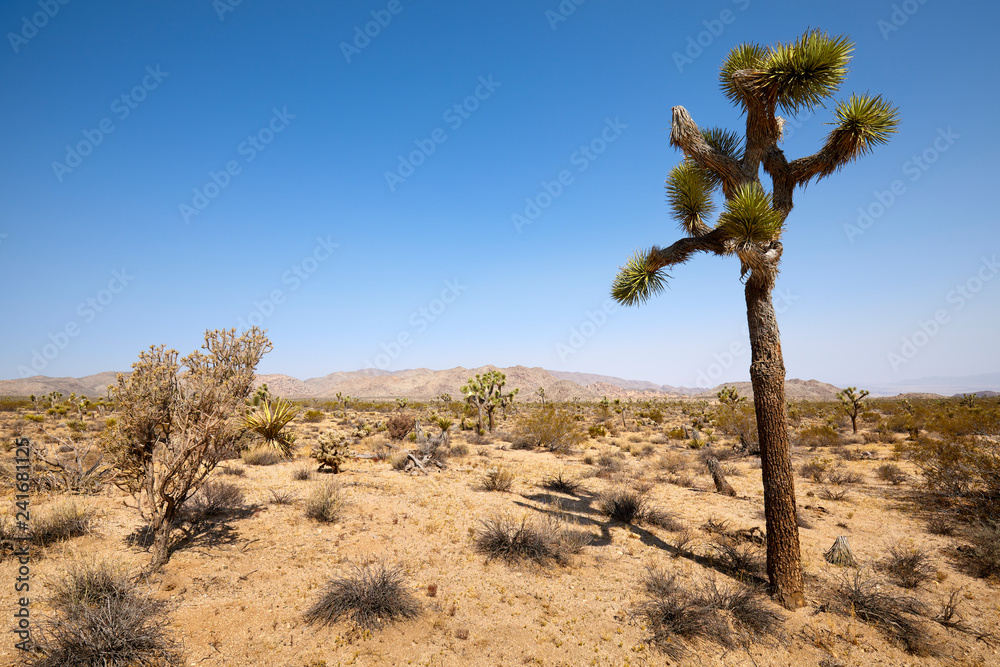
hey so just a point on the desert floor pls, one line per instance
(237, 591)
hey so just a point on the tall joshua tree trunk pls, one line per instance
(759, 81)
(767, 374)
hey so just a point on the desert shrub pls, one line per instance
(744, 560)
(654, 415)
(819, 436)
(655, 516)
(673, 462)
(38, 419)
(679, 617)
(907, 567)
(399, 425)
(102, 619)
(302, 474)
(313, 416)
(215, 498)
(233, 471)
(399, 460)
(459, 449)
(505, 538)
(985, 556)
(561, 483)
(892, 473)
(270, 422)
(814, 469)
(597, 431)
(76, 425)
(261, 456)
(326, 503)
(941, 523)
(843, 477)
(736, 419)
(497, 479)
(677, 433)
(369, 596)
(961, 468)
(608, 463)
(897, 616)
(551, 428)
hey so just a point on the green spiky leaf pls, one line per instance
(869, 121)
(689, 189)
(724, 141)
(743, 57)
(807, 71)
(640, 278)
(750, 217)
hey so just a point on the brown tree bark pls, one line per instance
(767, 374)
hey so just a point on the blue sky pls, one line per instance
(170, 167)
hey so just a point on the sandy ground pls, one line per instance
(238, 593)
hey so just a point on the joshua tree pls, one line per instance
(344, 402)
(759, 80)
(485, 392)
(851, 401)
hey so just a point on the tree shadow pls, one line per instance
(582, 510)
(197, 530)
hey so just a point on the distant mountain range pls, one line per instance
(424, 384)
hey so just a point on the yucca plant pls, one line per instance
(791, 77)
(270, 421)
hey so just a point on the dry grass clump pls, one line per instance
(215, 498)
(233, 471)
(326, 503)
(301, 474)
(814, 470)
(631, 506)
(58, 523)
(679, 616)
(819, 436)
(398, 426)
(102, 619)
(835, 493)
(897, 616)
(561, 483)
(505, 538)
(843, 477)
(673, 462)
(369, 596)
(262, 456)
(281, 496)
(497, 479)
(907, 567)
(744, 560)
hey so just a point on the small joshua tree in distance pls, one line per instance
(851, 402)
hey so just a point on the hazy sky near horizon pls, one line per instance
(405, 183)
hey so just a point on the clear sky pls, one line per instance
(347, 175)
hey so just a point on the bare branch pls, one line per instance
(684, 134)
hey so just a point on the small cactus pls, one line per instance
(331, 450)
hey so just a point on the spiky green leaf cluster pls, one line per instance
(807, 71)
(749, 216)
(689, 190)
(743, 57)
(640, 278)
(724, 141)
(870, 121)
(270, 420)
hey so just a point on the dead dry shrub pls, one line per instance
(892, 473)
(814, 470)
(233, 471)
(896, 616)
(744, 560)
(985, 556)
(837, 493)
(623, 504)
(398, 426)
(679, 616)
(103, 619)
(842, 477)
(369, 596)
(907, 567)
(302, 474)
(673, 462)
(326, 503)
